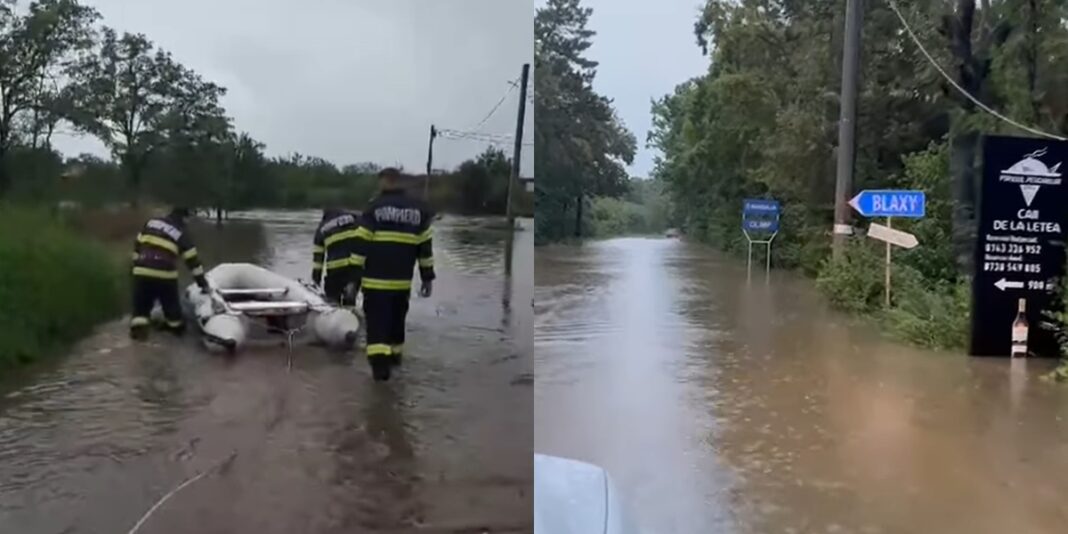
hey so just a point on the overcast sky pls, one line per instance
(347, 80)
(645, 48)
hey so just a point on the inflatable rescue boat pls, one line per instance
(246, 297)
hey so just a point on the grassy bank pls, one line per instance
(55, 285)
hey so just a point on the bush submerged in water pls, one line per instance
(55, 285)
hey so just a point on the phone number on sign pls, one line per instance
(1012, 248)
(1002, 267)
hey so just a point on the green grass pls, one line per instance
(55, 285)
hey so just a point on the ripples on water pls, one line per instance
(726, 406)
(89, 442)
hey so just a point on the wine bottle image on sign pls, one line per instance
(1019, 331)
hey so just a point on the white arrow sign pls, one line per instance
(1004, 284)
(894, 237)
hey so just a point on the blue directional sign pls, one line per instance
(754, 206)
(761, 225)
(890, 203)
(760, 215)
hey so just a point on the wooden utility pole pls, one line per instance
(429, 163)
(847, 126)
(514, 177)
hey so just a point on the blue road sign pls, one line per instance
(890, 203)
(761, 225)
(754, 206)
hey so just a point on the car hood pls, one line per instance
(573, 497)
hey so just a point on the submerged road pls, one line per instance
(91, 441)
(725, 406)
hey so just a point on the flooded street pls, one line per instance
(91, 442)
(722, 406)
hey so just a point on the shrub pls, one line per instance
(55, 285)
(854, 281)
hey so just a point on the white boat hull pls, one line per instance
(226, 325)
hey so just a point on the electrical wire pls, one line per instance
(497, 105)
(984, 107)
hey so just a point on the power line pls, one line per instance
(984, 107)
(497, 105)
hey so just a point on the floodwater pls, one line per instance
(724, 406)
(91, 442)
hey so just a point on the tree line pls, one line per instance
(63, 72)
(763, 122)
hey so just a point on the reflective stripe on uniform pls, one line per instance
(198, 271)
(379, 349)
(158, 241)
(139, 321)
(396, 237)
(336, 264)
(341, 236)
(390, 285)
(190, 254)
(357, 260)
(364, 233)
(426, 262)
(397, 349)
(426, 235)
(318, 248)
(155, 273)
(317, 265)
(174, 324)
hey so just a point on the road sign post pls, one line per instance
(890, 203)
(1019, 248)
(760, 216)
(886, 292)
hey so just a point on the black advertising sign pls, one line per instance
(1019, 253)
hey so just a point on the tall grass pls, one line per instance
(55, 285)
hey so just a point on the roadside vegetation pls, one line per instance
(55, 285)
(643, 210)
(763, 122)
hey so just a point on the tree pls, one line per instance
(581, 146)
(127, 91)
(33, 45)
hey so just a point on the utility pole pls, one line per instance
(518, 143)
(429, 162)
(847, 126)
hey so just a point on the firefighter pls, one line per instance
(155, 271)
(394, 236)
(333, 251)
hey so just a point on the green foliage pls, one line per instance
(612, 217)
(855, 281)
(55, 286)
(937, 317)
(580, 145)
(645, 209)
(34, 44)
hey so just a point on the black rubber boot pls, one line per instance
(139, 333)
(380, 368)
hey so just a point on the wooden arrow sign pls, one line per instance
(894, 237)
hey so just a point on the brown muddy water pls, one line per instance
(722, 406)
(89, 443)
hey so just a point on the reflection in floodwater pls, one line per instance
(721, 406)
(89, 443)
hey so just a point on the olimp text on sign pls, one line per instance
(1019, 249)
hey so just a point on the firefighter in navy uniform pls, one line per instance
(155, 271)
(334, 252)
(394, 236)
